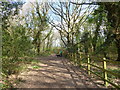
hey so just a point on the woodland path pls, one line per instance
(55, 72)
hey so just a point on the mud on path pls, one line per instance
(55, 72)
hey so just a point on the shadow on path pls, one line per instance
(55, 72)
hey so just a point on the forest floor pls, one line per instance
(55, 72)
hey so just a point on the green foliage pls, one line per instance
(117, 71)
(36, 67)
(16, 43)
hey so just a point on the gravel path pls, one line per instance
(55, 72)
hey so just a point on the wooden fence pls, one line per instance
(89, 61)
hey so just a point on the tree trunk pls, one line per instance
(118, 49)
(44, 46)
(38, 49)
(94, 47)
(113, 17)
(48, 42)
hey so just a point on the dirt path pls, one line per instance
(55, 72)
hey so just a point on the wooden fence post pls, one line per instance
(69, 56)
(80, 60)
(72, 58)
(88, 65)
(75, 58)
(105, 73)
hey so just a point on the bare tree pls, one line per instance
(71, 18)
